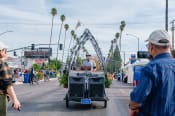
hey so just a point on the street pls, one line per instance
(46, 99)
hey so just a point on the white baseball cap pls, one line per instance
(3, 46)
(159, 37)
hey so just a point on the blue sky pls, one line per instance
(30, 21)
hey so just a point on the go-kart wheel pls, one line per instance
(67, 101)
(105, 103)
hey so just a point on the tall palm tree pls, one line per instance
(72, 34)
(70, 50)
(53, 13)
(66, 27)
(112, 47)
(122, 26)
(117, 36)
(62, 18)
(116, 39)
(74, 37)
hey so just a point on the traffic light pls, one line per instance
(33, 47)
(143, 54)
(61, 46)
(14, 53)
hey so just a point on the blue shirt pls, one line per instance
(156, 89)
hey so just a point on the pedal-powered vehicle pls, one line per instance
(86, 87)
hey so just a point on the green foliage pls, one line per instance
(54, 64)
(66, 26)
(54, 11)
(62, 18)
(40, 75)
(117, 35)
(43, 66)
(72, 33)
(79, 61)
(122, 25)
(63, 80)
(114, 61)
(108, 82)
(36, 67)
(117, 58)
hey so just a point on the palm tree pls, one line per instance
(122, 26)
(72, 34)
(112, 45)
(53, 13)
(74, 37)
(111, 49)
(62, 18)
(70, 50)
(66, 27)
(116, 36)
(116, 39)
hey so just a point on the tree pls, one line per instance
(110, 57)
(122, 26)
(111, 49)
(62, 18)
(114, 58)
(79, 61)
(116, 37)
(36, 67)
(72, 34)
(75, 38)
(55, 64)
(117, 61)
(53, 13)
(114, 61)
(66, 27)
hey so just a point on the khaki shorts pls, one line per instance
(3, 105)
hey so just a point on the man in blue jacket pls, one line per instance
(155, 93)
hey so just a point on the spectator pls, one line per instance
(155, 93)
(32, 74)
(89, 63)
(6, 87)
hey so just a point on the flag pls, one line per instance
(78, 25)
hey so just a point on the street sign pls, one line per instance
(38, 53)
(133, 58)
(143, 54)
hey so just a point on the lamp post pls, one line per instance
(172, 29)
(135, 37)
(5, 32)
(166, 16)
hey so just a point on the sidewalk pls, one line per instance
(19, 82)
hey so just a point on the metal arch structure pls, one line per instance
(82, 40)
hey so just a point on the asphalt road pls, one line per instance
(46, 99)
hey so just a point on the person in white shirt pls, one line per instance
(89, 63)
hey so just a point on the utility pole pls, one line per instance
(172, 29)
(166, 16)
(124, 58)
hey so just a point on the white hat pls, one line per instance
(159, 37)
(3, 46)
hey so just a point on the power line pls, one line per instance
(95, 24)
